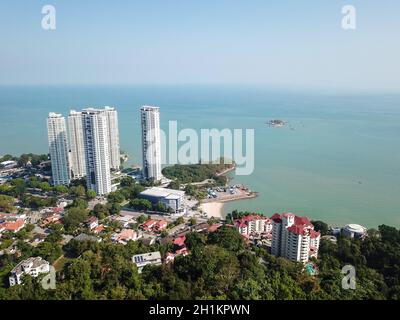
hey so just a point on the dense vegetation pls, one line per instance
(195, 172)
(220, 266)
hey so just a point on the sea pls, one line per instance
(337, 159)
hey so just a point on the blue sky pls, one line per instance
(276, 43)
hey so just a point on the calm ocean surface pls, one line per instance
(341, 163)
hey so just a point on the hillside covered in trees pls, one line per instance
(220, 266)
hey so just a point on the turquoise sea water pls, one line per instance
(339, 164)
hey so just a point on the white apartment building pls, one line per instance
(96, 145)
(76, 144)
(58, 148)
(253, 225)
(33, 266)
(113, 138)
(294, 238)
(151, 143)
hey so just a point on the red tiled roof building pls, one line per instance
(294, 237)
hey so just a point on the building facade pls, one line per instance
(76, 144)
(33, 266)
(113, 138)
(294, 237)
(253, 225)
(171, 198)
(96, 145)
(58, 148)
(151, 143)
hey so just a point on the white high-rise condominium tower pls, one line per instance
(151, 144)
(113, 138)
(58, 147)
(96, 143)
(76, 144)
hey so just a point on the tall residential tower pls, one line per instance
(113, 138)
(151, 144)
(58, 147)
(76, 144)
(96, 142)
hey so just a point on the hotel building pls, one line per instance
(58, 148)
(151, 144)
(294, 238)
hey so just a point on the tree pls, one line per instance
(101, 211)
(174, 185)
(6, 203)
(78, 191)
(79, 203)
(60, 189)
(90, 194)
(228, 238)
(141, 219)
(160, 207)
(74, 217)
(127, 182)
(321, 227)
(116, 197)
(140, 204)
(179, 221)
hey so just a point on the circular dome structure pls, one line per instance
(354, 230)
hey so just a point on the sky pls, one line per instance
(284, 43)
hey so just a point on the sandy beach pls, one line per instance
(213, 209)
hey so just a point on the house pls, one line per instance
(13, 226)
(92, 223)
(180, 241)
(53, 218)
(160, 226)
(125, 235)
(170, 257)
(154, 225)
(33, 266)
(148, 225)
(125, 221)
(145, 259)
(99, 229)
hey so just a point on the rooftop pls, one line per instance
(33, 262)
(163, 192)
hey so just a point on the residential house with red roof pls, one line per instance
(13, 226)
(253, 224)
